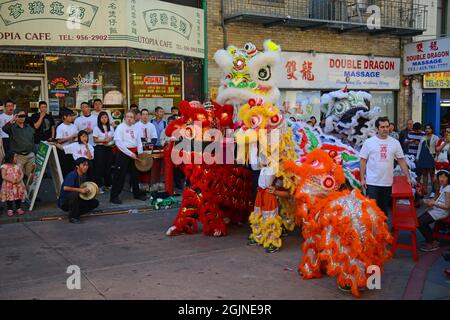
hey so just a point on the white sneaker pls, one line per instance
(101, 191)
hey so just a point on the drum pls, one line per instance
(144, 161)
(93, 190)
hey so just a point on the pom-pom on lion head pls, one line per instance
(249, 73)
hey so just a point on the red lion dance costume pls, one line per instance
(214, 192)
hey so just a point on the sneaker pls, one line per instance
(116, 201)
(20, 211)
(101, 191)
(9, 213)
(272, 249)
(428, 247)
(252, 243)
(75, 220)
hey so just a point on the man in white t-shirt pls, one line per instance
(377, 156)
(66, 133)
(98, 107)
(86, 121)
(6, 117)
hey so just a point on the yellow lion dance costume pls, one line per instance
(344, 232)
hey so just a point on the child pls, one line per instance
(13, 188)
(266, 223)
(438, 209)
(79, 149)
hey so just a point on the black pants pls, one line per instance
(77, 206)
(124, 164)
(424, 226)
(382, 195)
(66, 162)
(6, 145)
(9, 204)
(103, 163)
(178, 178)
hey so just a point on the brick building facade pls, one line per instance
(319, 40)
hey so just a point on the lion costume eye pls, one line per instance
(275, 121)
(265, 73)
(341, 107)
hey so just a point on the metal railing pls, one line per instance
(406, 14)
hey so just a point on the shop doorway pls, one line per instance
(25, 91)
(431, 110)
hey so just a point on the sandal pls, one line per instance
(20, 211)
(10, 213)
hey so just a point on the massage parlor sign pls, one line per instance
(303, 70)
(142, 24)
(427, 56)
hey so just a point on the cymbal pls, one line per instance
(93, 190)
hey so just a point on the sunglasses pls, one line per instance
(21, 116)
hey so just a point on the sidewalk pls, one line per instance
(46, 208)
(128, 256)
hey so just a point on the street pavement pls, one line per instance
(128, 256)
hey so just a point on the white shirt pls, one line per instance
(380, 155)
(266, 177)
(78, 150)
(4, 119)
(103, 135)
(439, 213)
(64, 131)
(146, 130)
(83, 122)
(95, 113)
(127, 137)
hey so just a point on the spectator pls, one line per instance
(103, 135)
(86, 121)
(175, 114)
(425, 157)
(404, 133)
(134, 107)
(443, 151)
(438, 209)
(81, 149)
(147, 132)
(21, 138)
(129, 143)
(392, 131)
(13, 188)
(43, 124)
(377, 156)
(66, 133)
(157, 167)
(313, 121)
(69, 199)
(137, 115)
(413, 138)
(98, 107)
(6, 117)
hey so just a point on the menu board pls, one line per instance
(156, 86)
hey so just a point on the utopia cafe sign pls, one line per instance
(142, 24)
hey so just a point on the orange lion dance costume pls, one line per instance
(344, 232)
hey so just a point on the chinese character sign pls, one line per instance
(142, 24)
(427, 56)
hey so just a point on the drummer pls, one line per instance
(69, 199)
(129, 143)
(149, 136)
(104, 140)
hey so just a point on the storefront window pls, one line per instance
(386, 101)
(25, 92)
(155, 83)
(72, 80)
(300, 105)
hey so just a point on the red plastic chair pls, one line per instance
(437, 227)
(404, 217)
